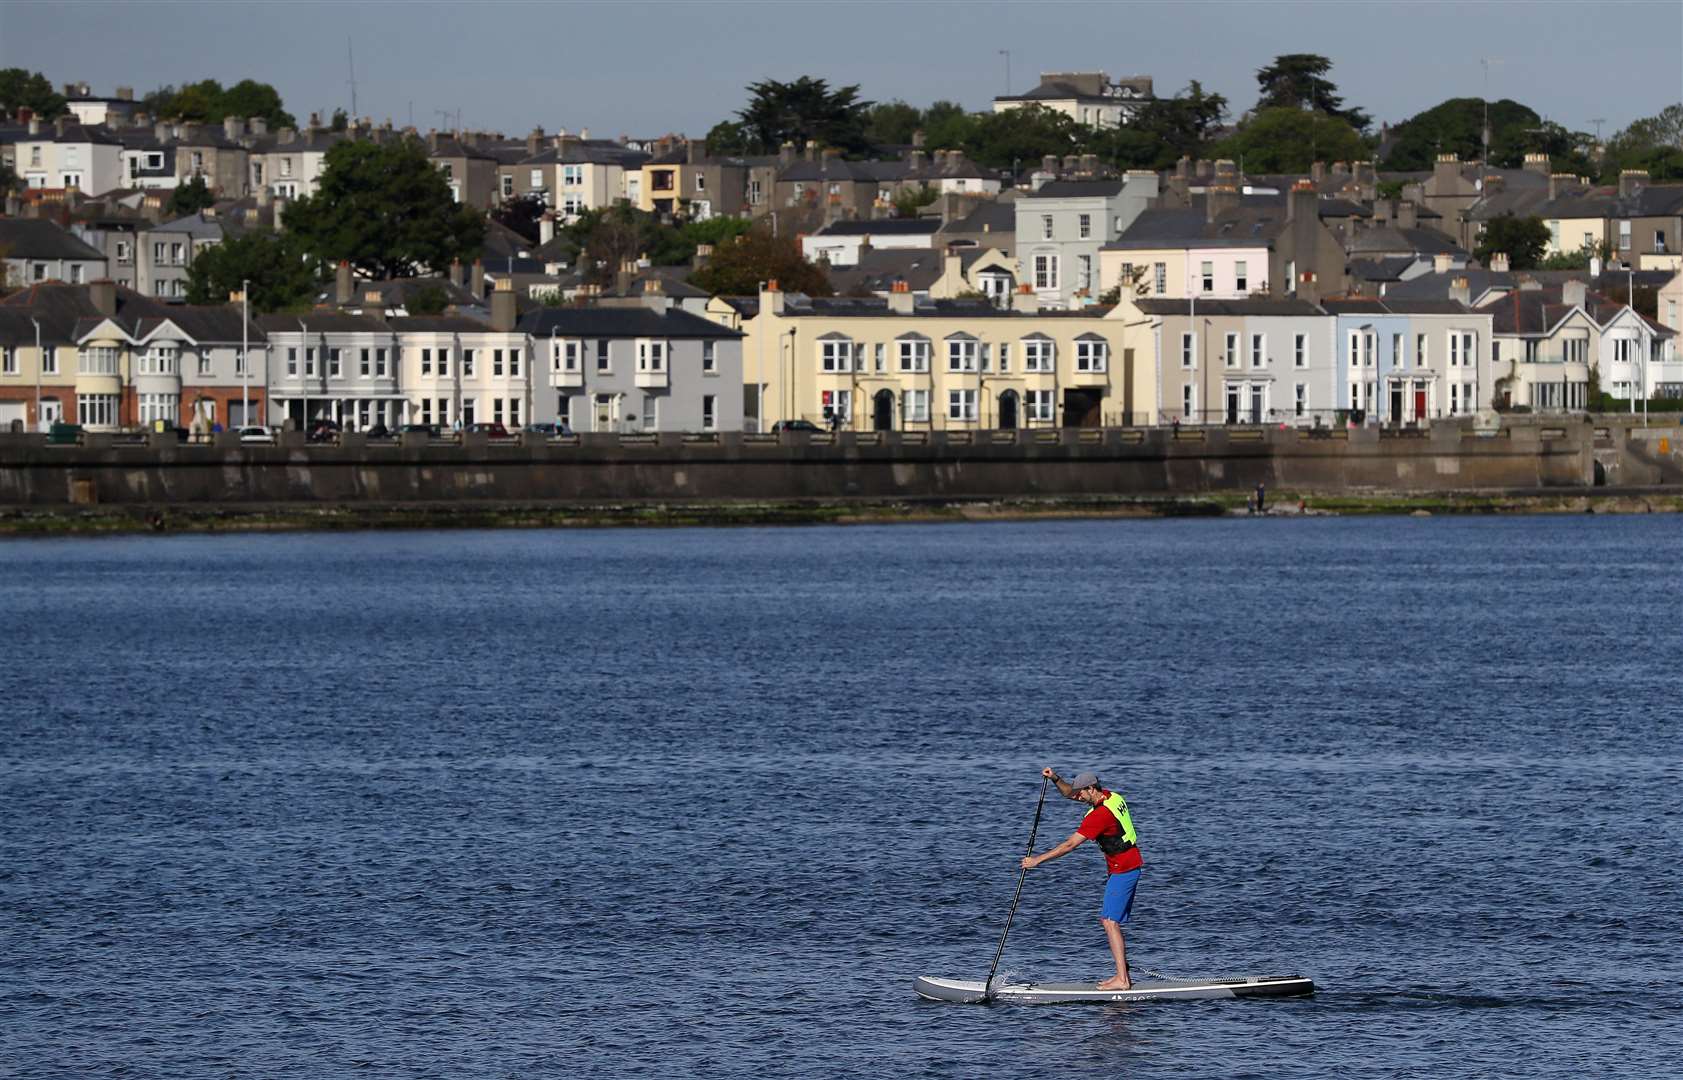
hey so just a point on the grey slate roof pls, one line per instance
(1390, 306)
(612, 322)
(67, 311)
(1246, 225)
(1000, 216)
(1386, 269)
(1157, 306)
(323, 322)
(883, 227)
(33, 238)
(1077, 189)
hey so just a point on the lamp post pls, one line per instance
(245, 346)
(38, 364)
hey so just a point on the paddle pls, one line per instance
(987, 987)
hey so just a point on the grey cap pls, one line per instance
(1085, 780)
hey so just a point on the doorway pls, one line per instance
(882, 411)
(1419, 404)
(1082, 408)
(51, 412)
(1396, 416)
(1008, 411)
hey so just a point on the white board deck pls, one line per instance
(972, 991)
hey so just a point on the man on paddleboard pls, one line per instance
(1109, 824)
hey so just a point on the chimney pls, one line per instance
(695, 151)
(1309, 286)
(342, 284)
(1362, 172)
(546, 229)
(622, 278)
(786, 154)
(63, 122)
(1183, 167)
(1632, 180)
(915, 161)
(1219, 199)
(1382, 211)
(1498, 262)
(258, 126)
(278, 212)
(286, 135)
(1025, 300)
(232, 128)
(1595, 266)
(1203, 169)
(34, 124)
(1527, 283)
(534, 141)
(477, 285)
(1459, 291)
(811, 150)
(1302, 201)
(952, 266)
(503, 307)
(1572, 293)
(1318, 171)
(455, 272)
(1225, 169)
(103, 295)
(264, 195)
(900, 299)
(1408, 215)
(1049, 164)
(125, 93)
(1538, 163)
(771, 298)
(703, 252)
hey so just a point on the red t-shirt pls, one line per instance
(1101, 822)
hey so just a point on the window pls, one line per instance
(1045, 271)
(1004, 357)
(158, 250)
(497, 362)
(286, 166)
(602, 354)
(1300, 399)
(1258, 348)
(164, 407)
(1419, 350)
(497, 410)
(1659, 241)
(1300, 350)
(175, 255)
(701, 181)
(1186, 357)
(1046, 226)
(572, 175)
(125, 252)
(335, 366)
(710, 358)
(204, 361)
(1086, 271)
(1039, 405)
(651, 355)
(1624, 236)
(914, 406)
(1160, 273)
(1207, 272)
(467, 366)
(159, 360)
(1188, 402)
(1230, 354)
(1039, 355)
(70, 180)
(961, 354)
(380, 363)
(836, 404)
(880, 361)
(1241, 280)
(535, 181)
(1086, 226)
(835, 354)
(367, 364)
(76, 275)
(96, 410)
(8, 361)
(651, 414)
(1091, 354)
(239, 362)
(443, 367)
(566, 356)
(961, 405)
(1397, 356)
(508, 185)
(95, 361)
(709, 414)
(914, 354)
(426, 362)
(292, 361)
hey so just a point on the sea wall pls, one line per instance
(1523, 456)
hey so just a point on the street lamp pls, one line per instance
(39, 361)
(245, 347)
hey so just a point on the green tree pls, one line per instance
(909, 201)
(946, 125)
(805, 110)
(738, 268)
(1162, 131)
(207, 102)
(189, 198)
(1290, 140)
(1523, 240)
(1298, 81)
(1022, 136)
(341, 121)
(248, 98)
(22, 89)
(521, 214)
(9, 180)
(1456, 127)
(281, 276)
(728, 138)
(1654, 144)
(198, 103)
(428, 300)
(386, 209)
(892, 123)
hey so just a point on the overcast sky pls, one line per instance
(646, 69)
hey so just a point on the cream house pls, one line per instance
(895, 363)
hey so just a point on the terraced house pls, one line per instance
(896, 363)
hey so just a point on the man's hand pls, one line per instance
(1049, 773)
(1030, 862)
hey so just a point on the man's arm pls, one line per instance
(1075, 840)
(1062, 785)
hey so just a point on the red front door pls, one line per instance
(1419, 405)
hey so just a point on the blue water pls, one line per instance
(704, 802)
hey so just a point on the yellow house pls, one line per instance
(898, 363)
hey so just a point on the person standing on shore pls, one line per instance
(1109, 824)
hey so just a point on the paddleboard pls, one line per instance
(971, 992)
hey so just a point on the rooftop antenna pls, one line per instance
(350, 58)
(1007, 54)
(1487, 61)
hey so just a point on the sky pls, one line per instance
(648, 69)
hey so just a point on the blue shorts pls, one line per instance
(1119, 896)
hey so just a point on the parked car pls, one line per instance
(549, 429)
(324, 431)
(795, 425)
(494, 429)
(431, 431)
(381, 432)
(256, 435)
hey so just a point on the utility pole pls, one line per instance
(1007, 54)
(1486, 62)
(350, 58)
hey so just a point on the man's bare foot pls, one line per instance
(1118, 982)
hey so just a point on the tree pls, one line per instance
(805, 110)
(427, 300)
(1523, 240)
(521, 214)
(1163, 131)
(280, 275)
(738, 268)
(1654, 144)
(1456, 126)
(728, 138)
(1298, 81)
(190, 198)
(10, 181)
(1022, 136)
(909, 201)
(892, 123)
(22, 89)
(383, 207)
(946, 124)
(341, 120)
(248, 98)
(206, 102)
(1288, 140)
(198, 103)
